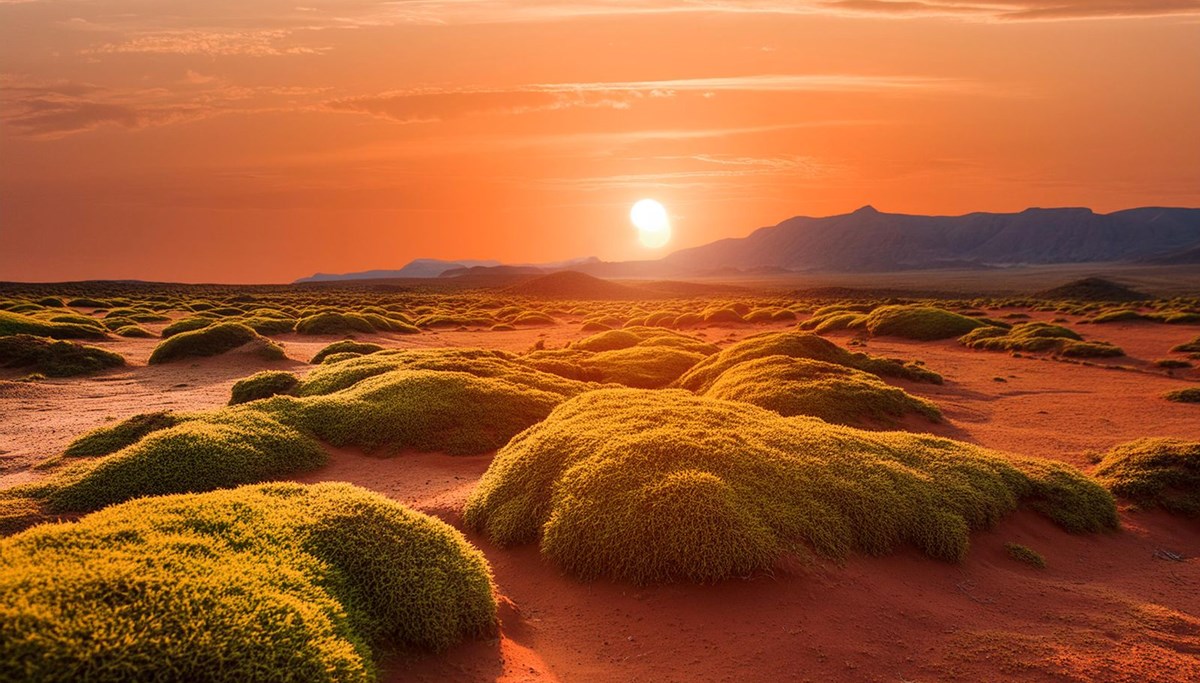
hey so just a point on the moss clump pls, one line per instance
(425, 410)
(113, 438)
(1172, 364)
(86, 302)
(263, 385)
(1155, 472)
(1025, 554)
(134, 332)
(268, 325)
(211, 341)
(195, 322)
(1093, 349)
(924, 323)
(274, 582)
(334, 323)
(1189, 347)
(800, 386)
(1124, 315)
(532, 319)
(1190, 395)
(16, 323)
(202, 452)
(797, 345)
(55, 358)
(650, 486)
(1035, 337)
(345, 346)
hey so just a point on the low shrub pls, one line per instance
(202, 452)
(1090, 349)
(17, 323)
(334, 323)
(650, 486)
(134, 332)
(797, 345)
(211, 341)
(923, 323)
(1154, 472)
(189, 324)
(1188, 347)
(55, 358)
(263, 385)
(273, 582)
(1025, 554)
(112, 438)
(801, 386)
(1189, 395)
(345, 346)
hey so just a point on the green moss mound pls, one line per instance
(196, 322)
(1025, 554)
(55, 358)
(263, 385)
(797, 345)
(17, 323)
(261, 583)
(1155, 472)
(134, 332)
(201, 452)
(345, 346)
(1038, 337)
(212, 341)
(426, 410)
(923, 323)
(113, 438)
(330, 322)
(1190, 395)
(834, 393)
(1189, 347)
(650, 486)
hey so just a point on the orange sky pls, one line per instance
(260, 141)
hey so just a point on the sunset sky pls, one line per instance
(260, 140)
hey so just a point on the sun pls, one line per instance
(652, 223)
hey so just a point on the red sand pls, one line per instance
(1105, 609)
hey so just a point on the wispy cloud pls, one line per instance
(259, 43)
(440, 104)
(507, 11)
(52, 110)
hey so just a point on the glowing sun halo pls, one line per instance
(652, 223)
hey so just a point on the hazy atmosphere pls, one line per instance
(262, 141)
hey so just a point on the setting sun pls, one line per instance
(652, 223)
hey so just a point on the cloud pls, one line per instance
(515, 11)
(260, 43)
(51, 110)
(440, 104)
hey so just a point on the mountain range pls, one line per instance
(868, 240)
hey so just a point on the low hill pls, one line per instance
(1093, 289)
(569, 284)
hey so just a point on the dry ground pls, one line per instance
(1106, 608)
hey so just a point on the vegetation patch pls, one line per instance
(202, 452)
(113, 438)
(801, 386)
(273, 582)
(1189, 395)
(1189, 347)
(17, 323)
(211, 341)
(1155, 472)
(345, 346)
(924, 323)
(263, 385)
(651, 486)
(1026, 555)
(797, 345)
(55, 358)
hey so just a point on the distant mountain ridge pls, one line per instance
(869, 240)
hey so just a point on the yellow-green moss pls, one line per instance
(261, 583)
(650, 486)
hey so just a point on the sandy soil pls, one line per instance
(1108, 607)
